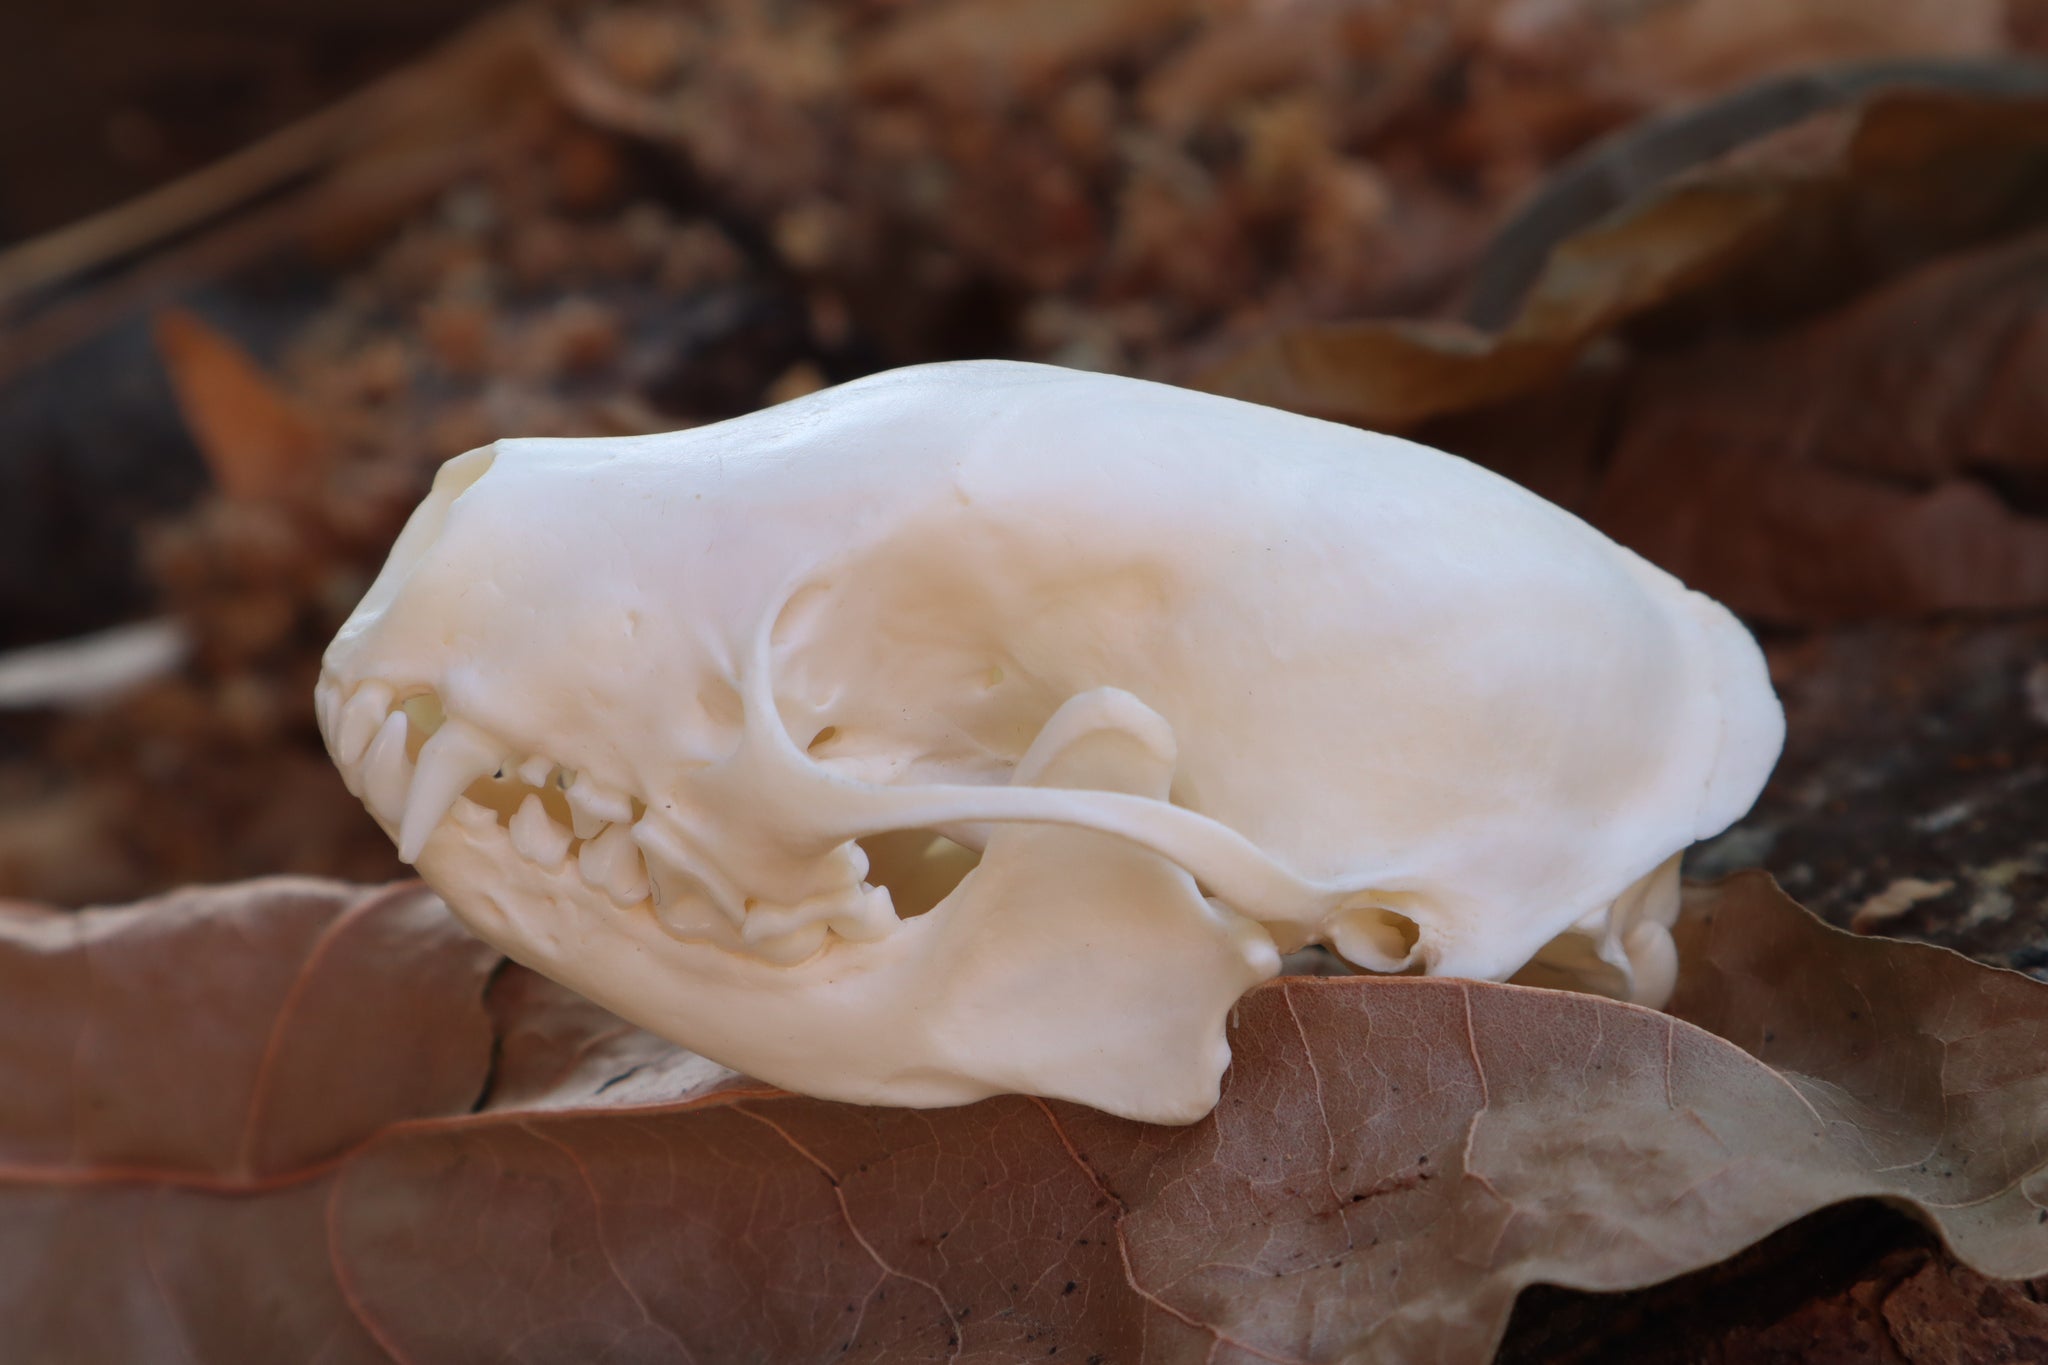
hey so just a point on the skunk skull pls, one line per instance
(709, 726)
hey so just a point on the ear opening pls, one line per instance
(918, 867)
(1374, 937)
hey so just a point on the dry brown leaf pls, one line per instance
(294, 1120)
(1799, 217)
(1821, 406)
(258, 445)
(987, 51)
(1854, 467)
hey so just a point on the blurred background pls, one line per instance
(1756, 286)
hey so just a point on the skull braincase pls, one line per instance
(702, 724)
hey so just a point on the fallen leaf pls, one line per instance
(1883, 459)
(258, 444)
(1790, 218)
(182, 1082)
(298, 1120)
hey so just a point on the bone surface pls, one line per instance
(990, 727)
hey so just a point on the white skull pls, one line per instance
(703, 724)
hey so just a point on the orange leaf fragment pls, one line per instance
(259, 445)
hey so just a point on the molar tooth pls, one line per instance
(387, 772)
(788, 948)
(534, 771)
(594, 805)
(456, 755)
(361, 715)
(536, 837)
(612, 861)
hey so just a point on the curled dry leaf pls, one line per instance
(296, 1120)
(1807, 211)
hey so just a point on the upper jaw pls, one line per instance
(420, 769)
(411, 762)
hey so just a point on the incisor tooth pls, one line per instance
(387, 772)
(612, 861)
(327, 708)
(536, 837)
(361, 716)
(456, 755)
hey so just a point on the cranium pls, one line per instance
(710, 725)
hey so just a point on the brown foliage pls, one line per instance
(1771, 421)
(335, 1103)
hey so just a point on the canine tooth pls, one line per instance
(456, 755)
(361, 715)
(612, 861)
(536, 837)
(534, 772)
(387, 772)
(595, 805)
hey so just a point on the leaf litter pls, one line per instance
(295, 1120)
(334, 1103)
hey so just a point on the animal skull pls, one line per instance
(709, 726)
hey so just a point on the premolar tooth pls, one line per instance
(536, 837)
(361, 715)
(612, 861)
(387, 772)
(534, 772)
(456, 755)
(472, 816)
(595, 805)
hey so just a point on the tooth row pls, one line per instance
(367, 734)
